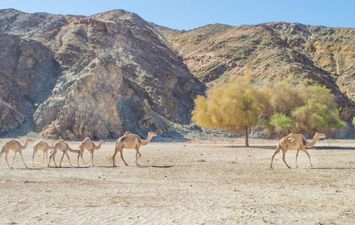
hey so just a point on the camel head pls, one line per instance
(152, 134)
(319, 136)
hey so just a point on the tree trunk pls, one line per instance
(246, 137)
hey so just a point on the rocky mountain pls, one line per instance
(271, 51)
(97, 76)
(76, 76)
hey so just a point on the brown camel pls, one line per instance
(90, 146)
(65, 148)
(16, 147)
(296, 142)
(42, 146)
(131, 141)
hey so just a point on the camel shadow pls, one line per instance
(332, 168)
(252, 146)
(156, 166)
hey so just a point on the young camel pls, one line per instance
(63, 147)
(89, 145)
(131, 141)
(296, 142)
(44, 147)
(15, 147)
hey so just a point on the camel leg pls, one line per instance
(77, 159)
(92, 158)
(23, 159)
(82, 157)
(283, 159)
(309, 158)
(47, 156)
(7, 162)
(33, 158)
(138, 155)
(66, 153)
(114, 156)
(13, 159)
(43, 157)
(297, 157)
(49, 160)
(272, 158)
(61, 159)
(121, 153)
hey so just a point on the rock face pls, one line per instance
(98, 76)
(309, 54)
(93, 76)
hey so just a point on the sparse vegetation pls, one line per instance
(238, 105)
(235, 106)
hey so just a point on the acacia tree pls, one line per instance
(303, 109)
(235, 106)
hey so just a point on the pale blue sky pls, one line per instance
(184, 14)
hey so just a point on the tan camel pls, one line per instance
(16, 147)
(65, 148)
(44, 147)
(296, 142)
(131, 141)
(90, 146)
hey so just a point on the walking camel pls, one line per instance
(65, 148)
(131, 141)
(44, 147)
(90, 146)
(15, 147)
(296, 142)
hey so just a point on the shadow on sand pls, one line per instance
(332, 168)
(273, 147)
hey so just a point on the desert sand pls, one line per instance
(197, 182)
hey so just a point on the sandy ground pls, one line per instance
(185, 183)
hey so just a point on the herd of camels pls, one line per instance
(132, 141)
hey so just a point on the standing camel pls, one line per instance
(15, 147)
(89, 145)
(65, 148)
(296, 142)
(131, 141)
(42, 146)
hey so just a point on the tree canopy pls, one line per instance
(238, 105)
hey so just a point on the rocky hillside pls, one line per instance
(76, 76)
(97, 76)
(310, 54)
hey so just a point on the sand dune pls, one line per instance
(184, 183)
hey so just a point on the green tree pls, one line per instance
(281, 123)
(235, 106)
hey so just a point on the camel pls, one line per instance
(42, 146)
(131, 141)
(296, 142)
(65, 148)
(16, 147)
(89, 145)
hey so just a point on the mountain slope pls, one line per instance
(309, 54)
(111, 73)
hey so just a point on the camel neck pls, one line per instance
(313, 142)
(97, 146)
(25, 145)
(147, 140)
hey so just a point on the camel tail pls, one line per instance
(2, 150)
(304, 141)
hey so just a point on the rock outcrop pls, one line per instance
(309, 54)
(103, 74)
(97, 76)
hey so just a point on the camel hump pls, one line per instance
(290, 139)
(127, 132)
